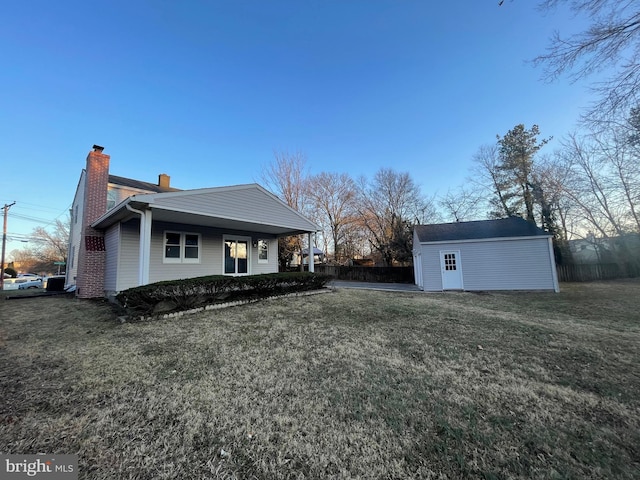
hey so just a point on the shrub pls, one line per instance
(11, 271)
(176, 295)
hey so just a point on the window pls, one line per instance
(75, 214)
(450, 261)
(236, 255)
(263, 251)
(112, 198)
(181, 247)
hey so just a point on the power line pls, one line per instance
(30, 218)
(19, 237)
(38, 207)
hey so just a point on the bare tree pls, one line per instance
(26, 260)
(387, 204)
(600, 186)
(52, 245)
(489, 175)
(550, 176)
(287, 177)
(332, 197)
(612, 41)
(46, 247)
(461, 204)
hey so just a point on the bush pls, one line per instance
(11, 271)
(176, 295)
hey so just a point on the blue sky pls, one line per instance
(205, 91)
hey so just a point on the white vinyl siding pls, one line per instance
(75, 233)
(128, 259)
(512, 264)
(210, 255)
(250, 204)
(211, 251)
(271, 265)
(112, 244)
(431, 275)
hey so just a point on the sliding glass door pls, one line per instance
(236, 256)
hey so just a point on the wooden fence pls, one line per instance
(368, 274)
(596, 271)
(566, 273)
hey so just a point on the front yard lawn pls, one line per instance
(349, 384)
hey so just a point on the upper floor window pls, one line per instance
(112, 198)
(181, 247)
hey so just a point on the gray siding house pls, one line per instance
(127, 233)
(504, 254)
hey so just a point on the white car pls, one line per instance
(29, 283)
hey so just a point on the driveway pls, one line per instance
(395, 287)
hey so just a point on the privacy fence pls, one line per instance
(368, 274)
(597, 271)
(566, 273)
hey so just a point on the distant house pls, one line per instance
(618, 249)
(126, 233)
(504, 254)
(588, 250)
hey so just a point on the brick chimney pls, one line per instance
(164, 180)
(92, 254)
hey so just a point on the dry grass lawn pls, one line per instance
(348, 384)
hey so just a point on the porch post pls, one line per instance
(145, 247)
(311, 255)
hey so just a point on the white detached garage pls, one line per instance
(505, 254)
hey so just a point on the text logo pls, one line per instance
(50, 467)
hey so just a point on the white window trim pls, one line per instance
(242, 239)
(182, 258)
(264, 260)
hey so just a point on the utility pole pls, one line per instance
(4, 242)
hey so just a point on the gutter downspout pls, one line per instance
(145, 244)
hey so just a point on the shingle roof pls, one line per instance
(131, 183)
(482, 229)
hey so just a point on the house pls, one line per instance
(504, 254)
(125, 233)
(623, 248)
(588, 250)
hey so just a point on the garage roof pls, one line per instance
(482, 229)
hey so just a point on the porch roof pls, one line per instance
(241, 207)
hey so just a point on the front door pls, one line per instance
(451, 270)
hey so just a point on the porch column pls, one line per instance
(145, 247)
(311, 255)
